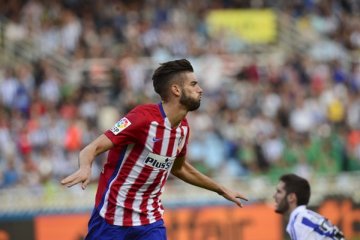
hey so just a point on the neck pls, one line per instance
(174, 112)
(292, 208)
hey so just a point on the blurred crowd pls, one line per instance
(261, 115)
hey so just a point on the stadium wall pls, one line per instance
(223, 222)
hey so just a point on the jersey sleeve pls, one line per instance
(128, 128)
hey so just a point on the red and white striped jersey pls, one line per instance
(138, 166)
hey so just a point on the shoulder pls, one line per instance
(145, 108)
(307, 224)
(308, 217)
(144, 114)
(313, 216)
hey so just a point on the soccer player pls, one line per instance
(291, 198)
(144, 147)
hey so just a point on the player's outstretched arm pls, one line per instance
(86, 158)
(183, 170)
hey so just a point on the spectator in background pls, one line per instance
(110, 47)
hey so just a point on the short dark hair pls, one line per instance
(298, 185)
(167, 73)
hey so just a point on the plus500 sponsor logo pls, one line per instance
(158, 161)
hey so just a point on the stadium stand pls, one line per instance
(70, 68)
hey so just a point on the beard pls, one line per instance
(282, 207)
(191, 104)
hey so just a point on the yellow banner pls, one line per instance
(251, 26)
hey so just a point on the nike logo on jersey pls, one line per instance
(154, 139)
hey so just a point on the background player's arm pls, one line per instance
(183, 170)
(86, 158)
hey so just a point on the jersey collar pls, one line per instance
(163, 114)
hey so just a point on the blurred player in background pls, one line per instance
(291, 198)
(144, 147)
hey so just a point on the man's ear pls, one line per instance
(291, 197)
(176, 90)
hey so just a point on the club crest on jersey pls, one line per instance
(158, 161)
(181, 141)
(120, 125)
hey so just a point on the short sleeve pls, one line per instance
(128, 128)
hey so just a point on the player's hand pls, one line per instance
(80, 176)
(233, 196)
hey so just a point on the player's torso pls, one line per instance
(310, 225)
(137, 169)
(156, 147)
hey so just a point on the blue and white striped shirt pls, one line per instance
(305, 224)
